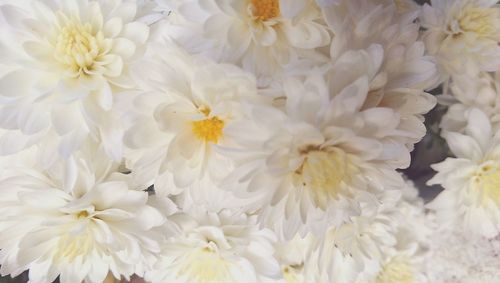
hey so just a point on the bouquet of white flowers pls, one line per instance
(249, 141)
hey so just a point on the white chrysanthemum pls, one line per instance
(220, 247)
(471, 199)
(68, 59)
(473, 90)
(76, 221)
(461, 32)
(404, 262)
(182, 112)
(299, 260)
(352, 247)
(461, 257)
(385, 247)
(262, 36)
(400, 72)
(313, 159)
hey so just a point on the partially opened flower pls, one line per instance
(471, 199)
(461, 32)
(262, 36)
(219, 247)
(77, 221)
(67, 61)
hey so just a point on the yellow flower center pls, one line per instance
(397, 270)
(323, 173)
(291, 274)
(82, 214)
(205, 265)
(209, 129)
(489, 177)
(79, 49)
(265, 9)
(482, 21)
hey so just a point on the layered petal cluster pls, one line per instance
(182, 113)
(217, 248)
(299, 260)
(472, 90)
(313, 159)
(463, 32)
(388, 248)
(65, 62)
(470, 200)
(396, 65)
(253, 141)
(262, 36)
(77, 221)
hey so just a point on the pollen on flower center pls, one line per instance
(82, 214)
(397, 270)
(265, 9)
(77, 48)
(322, 172)
(209, 129)
(290, 274)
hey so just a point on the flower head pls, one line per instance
(77, 221)
(185, 105)
(470, 200)
(311, 159)
(463, 32)
(216, 247)
(262, 36)
(67, 62)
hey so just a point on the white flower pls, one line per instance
(400, 72)
(461, 32)
(299, 260)
(68, 59)
(461, 257)
(353, 247)
(262, 36)
(76, 221)
(384, 246)
(404, 262)
(216, 248)
(471, 199)
(27, 157)
(184, 106)
(473, 90)
(313, 159)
